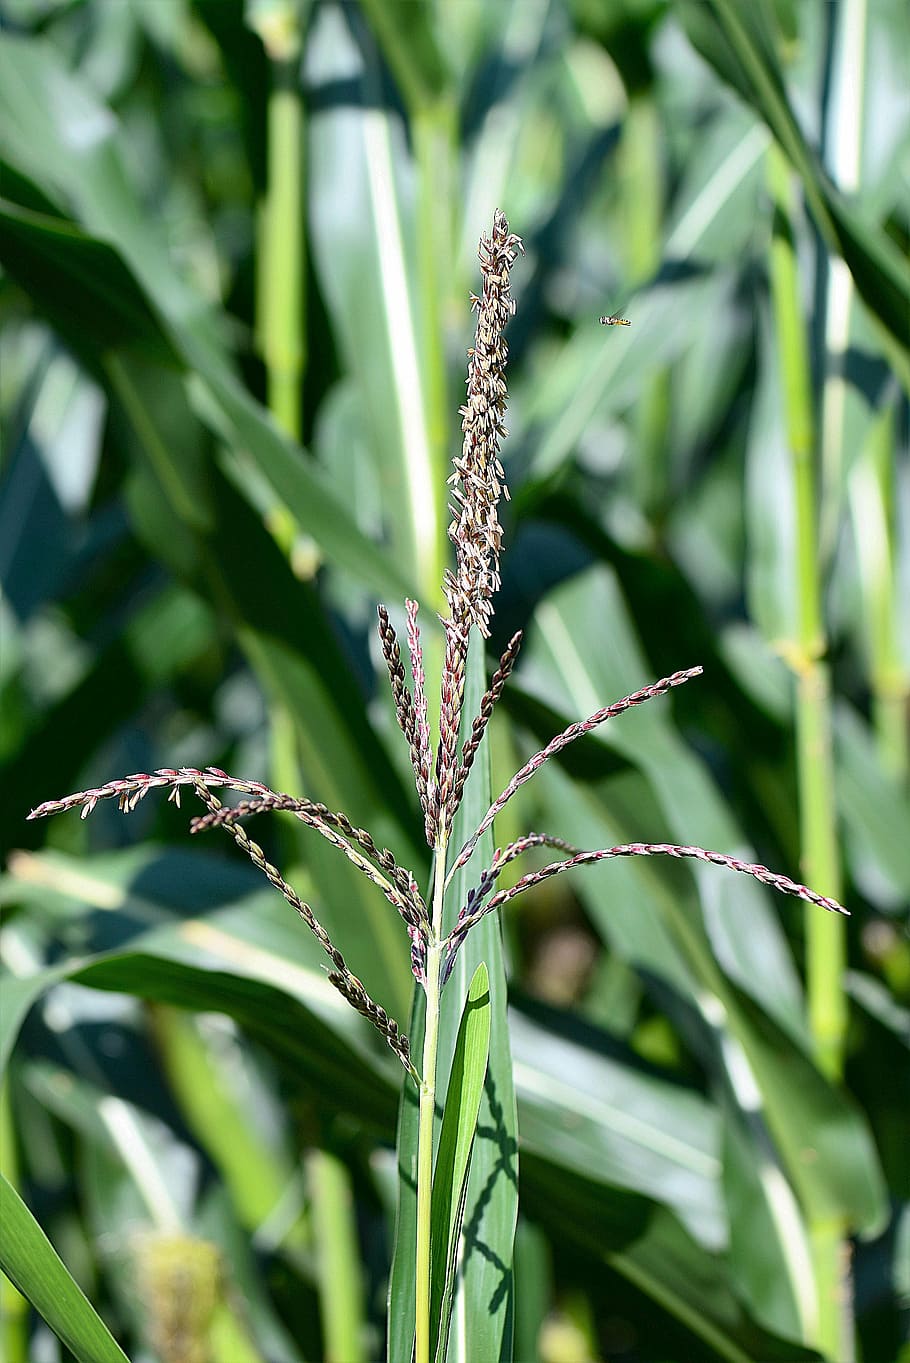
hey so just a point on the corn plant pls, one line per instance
(438, 924)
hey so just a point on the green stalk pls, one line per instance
(872, 498)
(283, 340)
(280, 324)
(427, 1113)
(339, 1268)
(642, 177)
(825, 937)
(805, 652)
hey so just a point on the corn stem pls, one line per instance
(825, 938)
(427, 1113)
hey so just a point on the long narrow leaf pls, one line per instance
(30, 1261)
(456, 1141)
(482, 1327)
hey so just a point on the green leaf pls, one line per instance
(310, 1051)
(88, 178)
(648, 1248)
(769, 1239)
(67, 273)
(456, 1142)
(78, 278)
(713, 214)
(642, 919)
(19, 994)
(411, 47)
(684, 797)
(823, 1137)
(483, 1312)
(875, 998)
(594, 1106)
(252, 960)
(317, 1043)
(596, 372)
(187, 513)
(738, 984)
(735, 40)
(109, 692)
(253, 1166)
(875, 810)
(365, 242)
(30, 1261)
(402, 1297)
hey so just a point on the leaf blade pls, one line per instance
(30, 1261)
(456, 1141)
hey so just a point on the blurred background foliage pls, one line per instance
(237, 243)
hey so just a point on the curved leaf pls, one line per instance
(456, 1142)
(87, 174)
(30, 1261)
(735, 39)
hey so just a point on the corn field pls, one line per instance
(650, 1111)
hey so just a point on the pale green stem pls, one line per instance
(805, 652)
(825, 951)
(642, 178)
(825, 939)
(283, 339)
(427, 1112)
(340, 1285)
(872, 499)
(280, 269)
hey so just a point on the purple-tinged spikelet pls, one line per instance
(421, 750)
(478, 481)
(583, 726)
